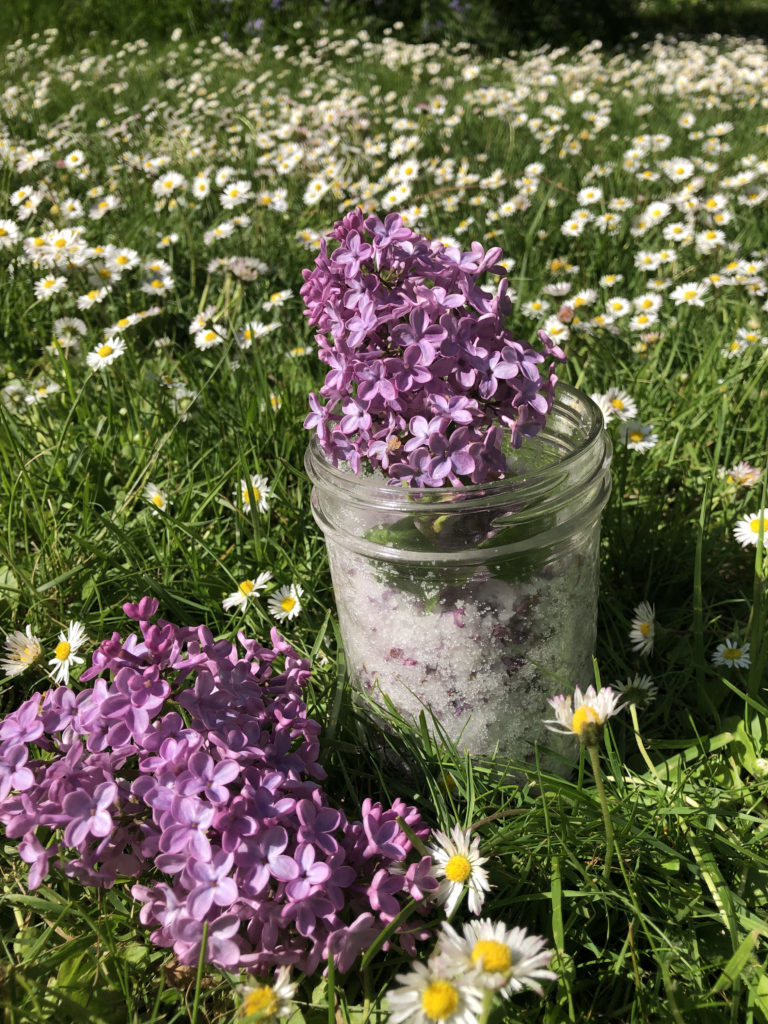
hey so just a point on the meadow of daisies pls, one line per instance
(157, 206)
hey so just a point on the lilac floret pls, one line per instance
(226, 803)
(406, 328)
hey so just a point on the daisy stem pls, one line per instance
(640, 744)
(594, 756)
(487, 1006)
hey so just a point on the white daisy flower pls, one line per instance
(642, 321)
(258, 487)
(732, 655)
(284, 604)
(741, 474)
(640, 690)
(735, 349)
(618, 306)
(9, 234)
(159, 284)
(277, 299)
(426, 996)
(106, 353)
(209, 337)
(201, 186)
(604, 406)
(610, 280)
(168, 183)
(504, 960)
(65, 654)
(624, 407)
(457, 865)
(269, 1002)
(66, 328)
(747, 530)
(49, 286)
(92, 298)
(41, 392)
(23, 649)
(157, 498)
(691, 293)
(643, 628)
(584, 714)
(245, 591)
(235, 194)
(637, 436)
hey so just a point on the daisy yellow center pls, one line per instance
(645, 628)
(636, 436)
(3, 232)
(583, 716)
(120, 260)
(490, 955)
(93, 294)
(256, 495)
(439, 1000)
(158, 500)
(29, 654)
(156, 283)
(617, 403)
(123, 322)
(288, 604)
(755, 525)
(689, 293)
(104, 351)
(246, 587)
(275, 297)
(60, 243)
(732, 653)
(261, 1000)
(458, 868)
(49, 283)
(62, 650)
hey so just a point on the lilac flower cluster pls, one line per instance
(424, 376)
(199, 760)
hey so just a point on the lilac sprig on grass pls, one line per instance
(195, 758)
(424, 375)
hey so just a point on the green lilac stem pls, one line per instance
(594, 756)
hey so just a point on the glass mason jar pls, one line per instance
(474, 603)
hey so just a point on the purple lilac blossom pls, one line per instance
(226, 803)
(423, 372)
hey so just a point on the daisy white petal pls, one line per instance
(501, 959)
(426, 996)
(65, 655)
(23, 649)
(747, 530)
(458, 867)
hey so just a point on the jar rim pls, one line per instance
(320, 468)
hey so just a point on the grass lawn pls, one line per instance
(157, 206)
